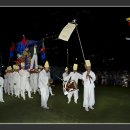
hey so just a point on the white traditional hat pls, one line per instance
(9, 68)
(22, 64)
(17, 67)
(88, 63)
(75, 66)
(66, 68)
(14, 67)
(46, 64)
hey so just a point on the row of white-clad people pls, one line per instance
(18, 82)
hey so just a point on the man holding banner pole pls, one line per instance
(88, 76)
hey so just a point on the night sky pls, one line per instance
(102, 31)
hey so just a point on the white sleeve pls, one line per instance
(49, 75)
(2, 81)
(84, 77)
(93, 76)
(43, 79)
(20, 73)
(79, 76)
(66, 78)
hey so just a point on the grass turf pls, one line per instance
(112, 106)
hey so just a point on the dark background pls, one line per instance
(102, 31)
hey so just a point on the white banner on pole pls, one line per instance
(67, 31)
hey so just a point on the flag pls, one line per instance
(24, 40)
(11, 51)
(67, 31)
(43, 53)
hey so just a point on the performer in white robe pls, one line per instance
(5, 81)
(16, 81)
(74, 76)
(50, 88)
(34, 80)
(34, 56)
(44, 83)
(1, 88)
(31, 79)
(10, 81)
(24, 81)
(88, 94)
(64, 75)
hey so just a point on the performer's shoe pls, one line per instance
(46, 107)
(68, 102)
(91, 108)
(2, 101)
(52, 94)
(31, 97)
(86, 109)
(75, 102)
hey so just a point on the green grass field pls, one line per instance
(112, 106)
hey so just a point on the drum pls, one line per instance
(70, 86)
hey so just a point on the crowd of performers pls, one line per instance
(18, 81)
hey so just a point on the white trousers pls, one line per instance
(88, 96)
(50, 90)
(34, 60)
(44, 97)
(5, 85)
(10, 88)
(16, 90)
(22, 92)
(71, 93)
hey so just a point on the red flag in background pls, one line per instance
(24, 40)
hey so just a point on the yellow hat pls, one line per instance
(87, 62)
(14, 67)
(46, 64)
(9, 68)
(66, 68)
(75, 66)
(128, 19)
(17, 67)
(22, 64)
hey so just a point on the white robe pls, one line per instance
(75, 76)
(10, 83)
(16, 83)
(34, 82)
(24, 83)
(65, 78)
(89, 94)
(64, 75)
(50, 88)
(5, 82)
(44, 88)
(1, 89)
